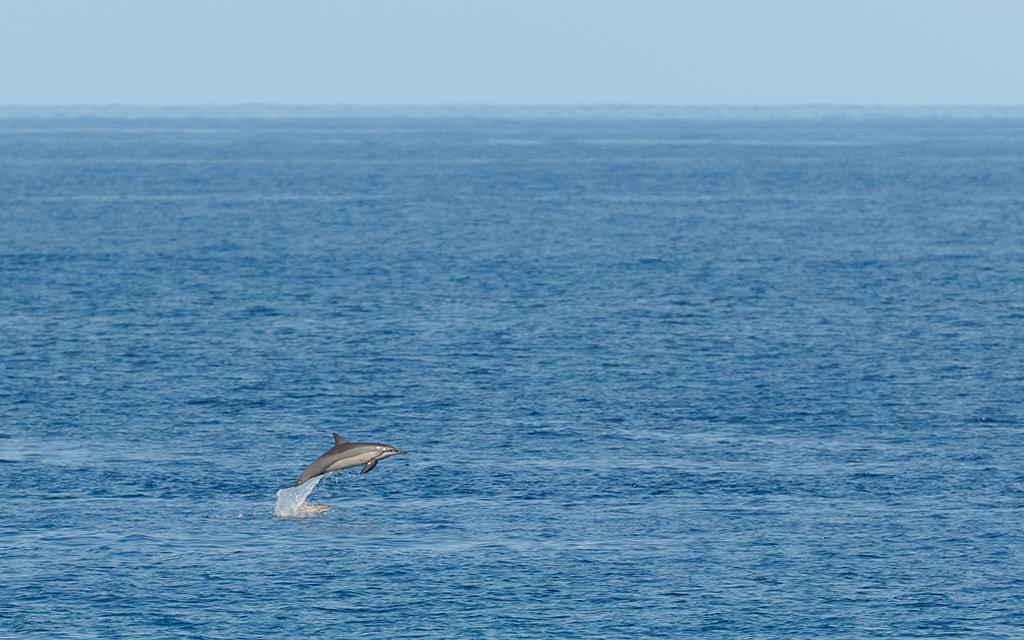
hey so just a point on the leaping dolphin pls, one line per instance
(345, 454)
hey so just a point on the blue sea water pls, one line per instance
(658, 377)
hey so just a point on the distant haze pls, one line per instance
(511, 52)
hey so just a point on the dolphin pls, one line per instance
(344, 455)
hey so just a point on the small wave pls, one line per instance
(291, 501)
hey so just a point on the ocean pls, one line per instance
(658, 373)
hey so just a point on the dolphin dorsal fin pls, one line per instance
(338, 440)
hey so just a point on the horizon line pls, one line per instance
(511, 111)
(256, 103)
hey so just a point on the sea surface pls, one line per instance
(658, 375)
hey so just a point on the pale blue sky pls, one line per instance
(521, 51)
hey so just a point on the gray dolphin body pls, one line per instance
(344, 455)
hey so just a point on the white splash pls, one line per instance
(291, 501)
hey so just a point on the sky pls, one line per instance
(511, 52)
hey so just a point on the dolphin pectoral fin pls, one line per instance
(368, 467)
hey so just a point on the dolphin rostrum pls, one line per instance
(345, 454)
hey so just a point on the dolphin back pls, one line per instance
(316, 468)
